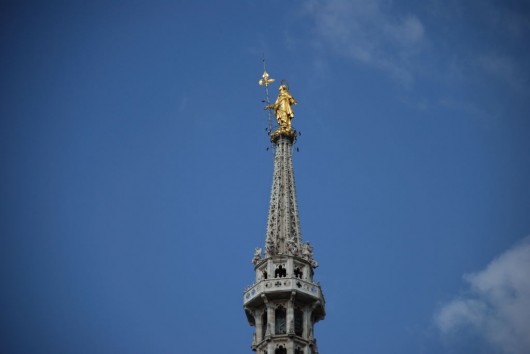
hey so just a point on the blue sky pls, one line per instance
(135, 179)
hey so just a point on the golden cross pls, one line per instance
(265, 81)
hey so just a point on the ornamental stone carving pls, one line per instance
(257, 256)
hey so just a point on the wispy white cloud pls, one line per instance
(500, 31)
(367, 31)
(503, 68)
(498, 304)
(382, 34)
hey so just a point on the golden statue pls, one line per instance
(283, 110)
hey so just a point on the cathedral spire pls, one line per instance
(283, 225)
(284, 303)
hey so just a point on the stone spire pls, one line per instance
(283, 225)
(284, 302)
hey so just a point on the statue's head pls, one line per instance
(282, 88)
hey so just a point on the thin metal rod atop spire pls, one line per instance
(265, 81)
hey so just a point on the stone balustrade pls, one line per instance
(270, 286)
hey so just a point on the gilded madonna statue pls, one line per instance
(283, 110)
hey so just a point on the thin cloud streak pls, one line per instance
(453, 51)
(366, 31)
(504, 69)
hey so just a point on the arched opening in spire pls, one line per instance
(298, 321)
(264, 324)
(280, 272)
(280, 323)
(298, 273)
(280, 350)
